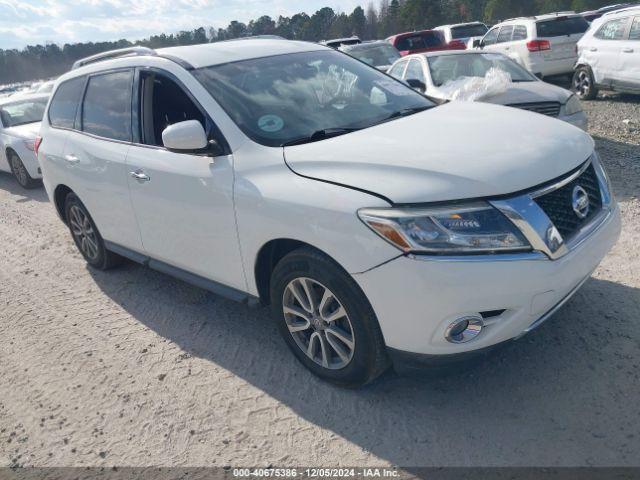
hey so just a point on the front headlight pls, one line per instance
(572, 106)
(471, 228)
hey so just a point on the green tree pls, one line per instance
(358, 21)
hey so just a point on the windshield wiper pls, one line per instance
(405, 112)
(319, 135)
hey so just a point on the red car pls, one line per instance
(423, 41)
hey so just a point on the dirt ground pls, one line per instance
(132, 367)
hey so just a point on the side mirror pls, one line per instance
(477, 43)
(417, 84)
(187, 136)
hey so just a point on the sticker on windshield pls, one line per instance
(270, 123)
(394, 87)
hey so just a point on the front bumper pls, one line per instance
(417, 297)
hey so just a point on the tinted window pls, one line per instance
(63, 108)
(398, 70)
(562, 26)
(466, 31)
(613, 30)
(423, 40)
(106, 110)
(491, 37)
(519, 33)
(414, 71)
(375, 55)
(505, 34)
(634, 34)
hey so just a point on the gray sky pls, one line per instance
(29, 22)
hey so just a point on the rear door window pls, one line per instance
(519, 33)
(106, 110)
(64, 106)
(613, 30)
(561, 27)
(634, 34)
(505, 34)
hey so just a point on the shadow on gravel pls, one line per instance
(9, 184)
(622, 162)
(563, 394)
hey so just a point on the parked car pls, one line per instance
(19, 125)
(46, 87)
(545, 45)
(592, 15)
(609, 55)
(466, 33)
(432, 72)
(378, 54)
(378, 226)
(423, 41)
(339, 42)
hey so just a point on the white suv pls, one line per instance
(545, 45)
(290, 174)
(609, 55)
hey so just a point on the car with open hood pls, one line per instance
(380, 228)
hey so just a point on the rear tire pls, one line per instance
(326, 320)
(20, 172)
(583, 84)
(86, 236)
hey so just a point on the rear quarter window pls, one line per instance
(505, 34)
(65, 102)
(562, 26)
(634, 34)
(613, 30)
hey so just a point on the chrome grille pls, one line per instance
(551, 109)
(558, 203)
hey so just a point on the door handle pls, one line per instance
(593, 49)
(140, 176)
(71, 158)
(627, 50)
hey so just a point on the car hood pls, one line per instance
(26, 131)
(519, 92)
(459, 150)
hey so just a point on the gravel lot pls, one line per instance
(131, 367)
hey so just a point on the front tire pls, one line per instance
(326, 320)
(86, 235)
(583, 84)
(20, 172)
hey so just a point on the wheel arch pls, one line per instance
(268, 257)
(59, 196)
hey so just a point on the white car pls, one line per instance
(609, 55)
(466, 33)
(441, 75)
(378, 226)
(19, 125)
(545, 45)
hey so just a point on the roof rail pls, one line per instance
(122, 52)
(624, 9)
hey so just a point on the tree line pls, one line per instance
(373, 21)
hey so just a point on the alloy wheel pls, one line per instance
(318, 323)
(19, 171)
(83, 232)
(582, 83)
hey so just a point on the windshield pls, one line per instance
(466, 31)
(281, 99)
(20, 113)
(445, 68)
(375, 55)
(561, 26)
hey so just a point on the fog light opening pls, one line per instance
(464, 329)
